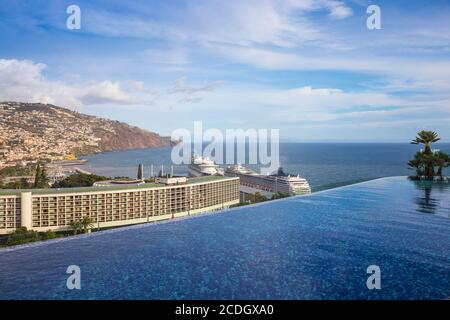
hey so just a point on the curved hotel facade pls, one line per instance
(110, 206)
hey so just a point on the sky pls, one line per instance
(311, 69)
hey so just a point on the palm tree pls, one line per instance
(418, 164)
(86, 223)
(426, 138)
(442, 161)
(75, 226)
(427, 158)
(428, 161)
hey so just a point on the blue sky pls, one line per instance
(309, 68)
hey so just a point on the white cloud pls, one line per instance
(248, 22)
(23, 80)
(181, 86)
(102, 92)
(275, 22)
(413, 73)
(180, 91)
(281, 108)
(338, 10)
(305, 99)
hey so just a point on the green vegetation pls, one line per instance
(240, 204)
(21, 184)
(258, 197)
(17, 171)
(29, 170)
(40, 177)
(22, 235)
(122, 178)
(428, 163)
(76, 226)
(442, 161)
(279, 195)
(140, 172)
(83, 225)
(426, 138)
(79, 180)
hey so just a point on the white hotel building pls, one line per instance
(111, 206)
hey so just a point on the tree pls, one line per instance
(49, 234)
(258, 197)
(83, 225)
(44, 181)
(79, 180)
(37, 176)
(21, 235)
(425, 161)
(426, 138)
(24, 183)
(140, 173)
(279, 195)
(417, 164)
(86, 223)
(40, 177)
(76, 226)
(442, 161)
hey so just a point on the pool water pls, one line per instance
(306, 247)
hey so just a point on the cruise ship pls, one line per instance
(274, 183)
(200, 166)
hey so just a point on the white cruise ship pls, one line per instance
(280, 182)
(204, 167)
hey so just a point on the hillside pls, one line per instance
(30, 131)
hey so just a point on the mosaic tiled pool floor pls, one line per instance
(313, 247)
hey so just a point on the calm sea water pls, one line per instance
(324, 165)
(307, 247)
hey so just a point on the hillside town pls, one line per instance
(32, 131)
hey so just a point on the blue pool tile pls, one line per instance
(306, 247)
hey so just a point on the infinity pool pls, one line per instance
(307, 247)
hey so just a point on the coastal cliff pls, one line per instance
(30, 131)
(126, 137)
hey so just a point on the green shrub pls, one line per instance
(21, 236)
(79, 180)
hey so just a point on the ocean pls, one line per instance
(324, 165)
